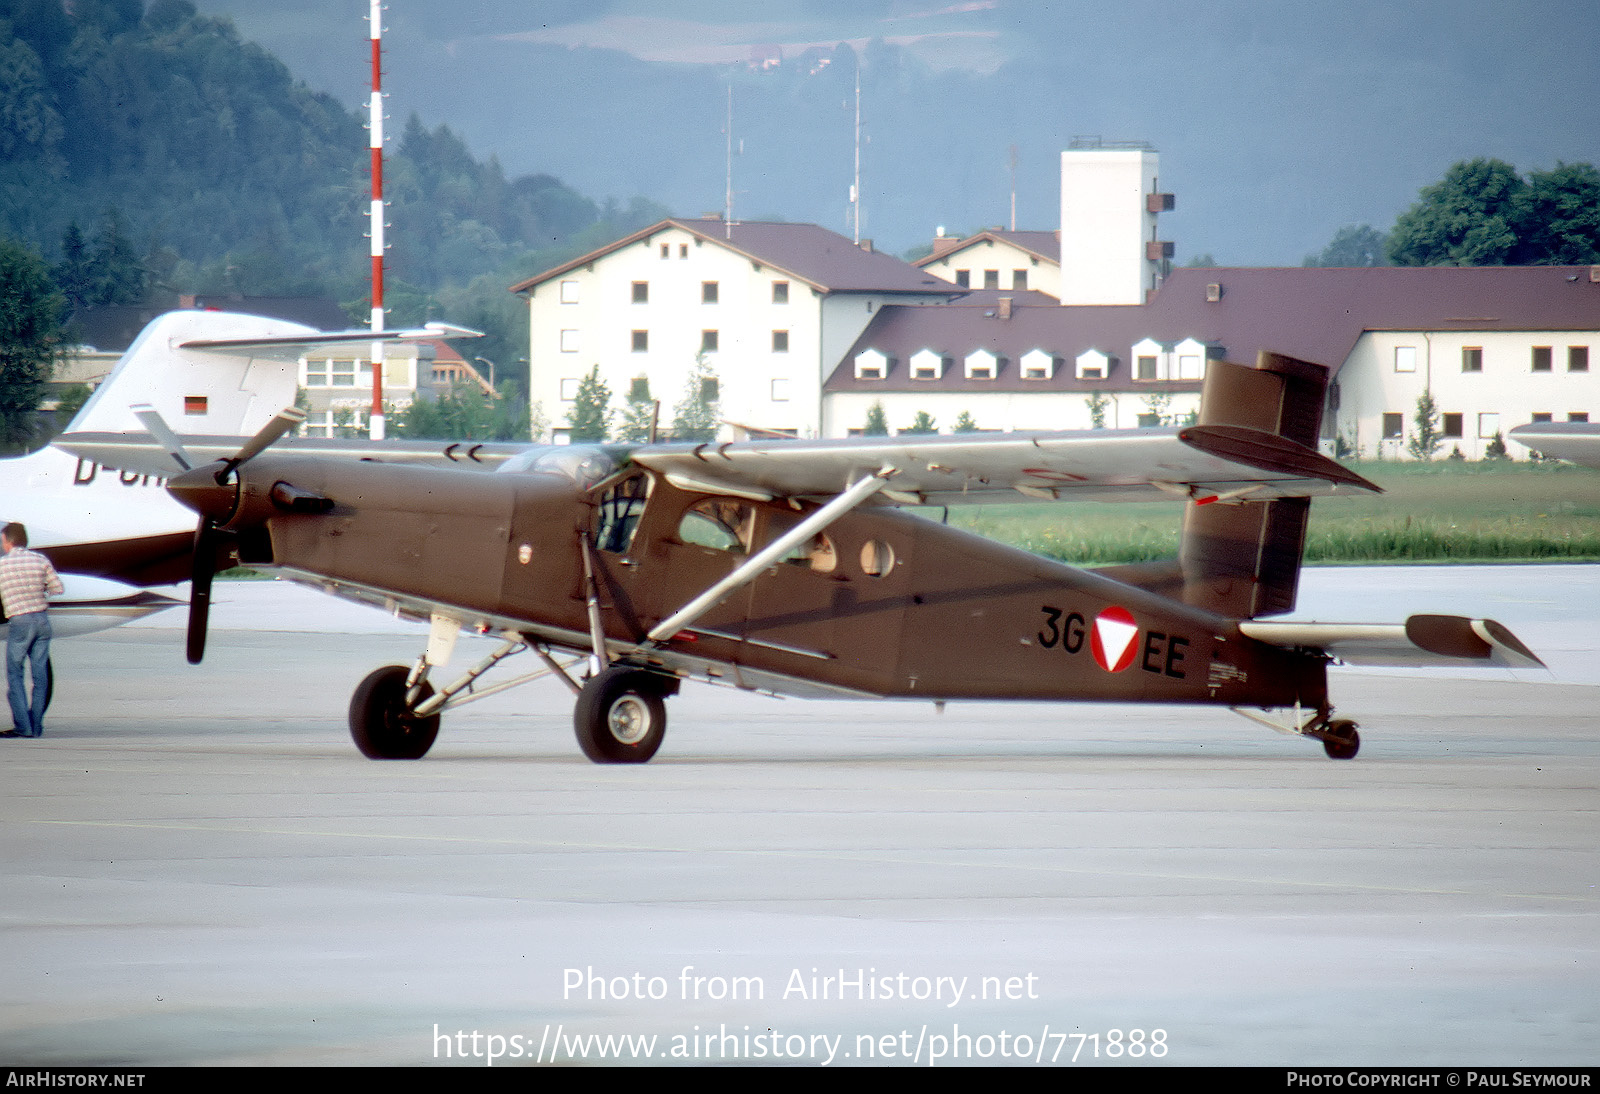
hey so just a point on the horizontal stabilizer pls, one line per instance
(294, 346)
(1421, 640)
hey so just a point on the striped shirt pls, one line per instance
(26, 580)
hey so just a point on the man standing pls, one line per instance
(26, 581)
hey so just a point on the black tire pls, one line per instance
(381, 724)
(1342, 742)
(620, 717)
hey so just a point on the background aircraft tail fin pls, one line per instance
(1243, 559)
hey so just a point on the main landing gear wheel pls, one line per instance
(620, 717)
(1342, 741)
(382, 724)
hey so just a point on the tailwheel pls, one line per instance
(620, 717)
(381, 721)
(1341, 741)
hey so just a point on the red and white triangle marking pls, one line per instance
(1113, 641)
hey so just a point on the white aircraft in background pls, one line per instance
(99, 508)
(1577, 442)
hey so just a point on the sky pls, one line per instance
(1277, 122)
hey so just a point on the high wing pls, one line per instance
(292, 347)
(143, 454)
(1200, 463)
(1578, 442)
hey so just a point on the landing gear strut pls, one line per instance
(620, 717)
(383, 724)
(1338, 736)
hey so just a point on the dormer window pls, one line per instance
(982, 365)
(1038, 365)
(927, 365)
(871, 364)
(1191, 358)
(1093, 365)
(1150, 361)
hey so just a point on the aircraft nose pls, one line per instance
(200, 491)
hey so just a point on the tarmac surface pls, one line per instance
(199, 868)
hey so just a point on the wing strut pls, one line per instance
(756, 563)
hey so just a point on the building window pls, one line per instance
(1453, 424)
(1472, 359)
(641, 341)
(569, 341)
(1577, 358)
(641, 292)
(683, 250)
(1019, 280)
(1038, 365)
(1394, 426)
(569, 292)
(708, 341)
(666, 250)
(926, 365)
(1405, 358)
(780, 292)
(196, 404)
(569, 389)
(708, 292)
(981, 365)
(1541, 358)
(316, 374)
(1578, 416)
(871, 364)
(1145, 368)
(1488, 426)
(964, 278)
(780, 341)
(342, 373)
(1543, 416)
(991, 279)
(780, 391)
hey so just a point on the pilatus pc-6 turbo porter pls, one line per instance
(789, 567)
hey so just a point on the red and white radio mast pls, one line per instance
(375, 129)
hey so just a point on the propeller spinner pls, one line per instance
(212, 492)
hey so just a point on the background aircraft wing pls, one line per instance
(1578, 442)
(1217, 463)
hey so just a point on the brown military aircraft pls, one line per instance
(790, 567)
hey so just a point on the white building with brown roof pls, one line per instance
(769, 307)
(998, 259)
(1495, 346)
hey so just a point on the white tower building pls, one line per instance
(1110, 253)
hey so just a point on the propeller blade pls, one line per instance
(157, 427)
(285, 420)
(205, 565)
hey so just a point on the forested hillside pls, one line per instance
(155, 139)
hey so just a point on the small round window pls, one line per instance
(877, 558)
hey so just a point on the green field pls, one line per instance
(1496, 511)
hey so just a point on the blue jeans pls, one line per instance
(28, 636)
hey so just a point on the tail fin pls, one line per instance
(1243, 560)
(230, 392)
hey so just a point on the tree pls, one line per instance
(1427, 438)
(877, 421)
(639, 419)
(1468, 218)
(1353, 245)
(922, 423)
(965, 423)
(589, 420)
(30, 332)
(697, 417)
(1559, 217)
(1098, 402)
